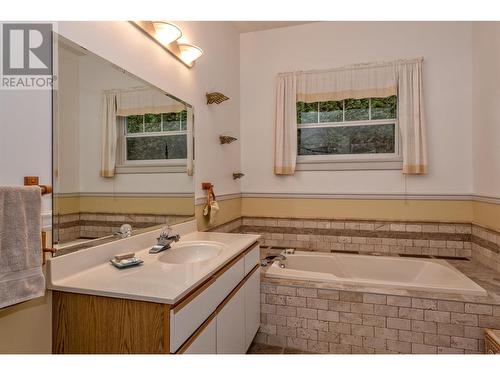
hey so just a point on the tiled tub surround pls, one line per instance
(329, 318)
(384, 237)
(443, 239)
(335, 318)
(486, 246)
(96, 225)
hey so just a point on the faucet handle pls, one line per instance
(165, 231)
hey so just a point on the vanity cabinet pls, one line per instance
(236, 319)
(187, 316)
(220, 316)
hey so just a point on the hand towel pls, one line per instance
(21, 276)
(211, 207)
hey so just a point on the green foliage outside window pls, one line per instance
(326, 139)
(357, 109)
(157, 147)
(307, 113)
(331, 111)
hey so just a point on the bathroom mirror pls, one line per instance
(123, 152)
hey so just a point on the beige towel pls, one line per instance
(211, 207)
(21, 276)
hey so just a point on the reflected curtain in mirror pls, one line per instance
(109, 134)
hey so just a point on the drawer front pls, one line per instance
(205, 342)
(252, 258)
(184, 322)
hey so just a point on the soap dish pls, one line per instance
(125, 263)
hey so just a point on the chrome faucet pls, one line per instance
(164, 241)
(281, 259)
(124, 232)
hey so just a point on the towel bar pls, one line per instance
(33, 180)
(46, 249)
(45, 189)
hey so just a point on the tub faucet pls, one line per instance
(164, 241)
(281, 259)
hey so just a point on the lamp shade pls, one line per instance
(166, 32)
(189, 53)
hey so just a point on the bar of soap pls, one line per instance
(123, 256)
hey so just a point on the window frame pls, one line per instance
(352, 161)
(124, 165)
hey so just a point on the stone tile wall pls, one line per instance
(96, 225)
(486, 246)
(440, 239)
(337, 321)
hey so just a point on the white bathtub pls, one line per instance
(377, 271)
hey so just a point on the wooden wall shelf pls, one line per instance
(216, 97)
(237, 175)
(226, 139)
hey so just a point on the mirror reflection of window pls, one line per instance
(159, 136)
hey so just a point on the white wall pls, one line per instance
(486, 109)
(217, 70)
(26, 137)
(446, 48)
(68, 124)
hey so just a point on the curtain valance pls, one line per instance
(145, 100)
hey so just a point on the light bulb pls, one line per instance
(189, 52)
(166, 32)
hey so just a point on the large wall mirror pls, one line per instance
(123, 152)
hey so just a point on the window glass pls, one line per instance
(331, 111)
(152, 123)
(357, 109)
(384, 108)
(157, 147)
(307, 113)
(183, 120)
(362, 139)
(171, 121)
(135, 123)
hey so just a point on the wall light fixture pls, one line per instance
(167, 35)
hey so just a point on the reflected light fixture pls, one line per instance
(166, 32)
(189, 52)
(168, 35)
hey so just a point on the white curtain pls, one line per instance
(190, 141)
(285, 150)
(411, 118)
(353, 82)
(109, 134)
(401, 77)
(140, 101)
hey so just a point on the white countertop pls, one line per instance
(89, 271)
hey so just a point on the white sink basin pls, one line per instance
(192, 252)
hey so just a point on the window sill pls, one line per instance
(353, 165)
(148, 169)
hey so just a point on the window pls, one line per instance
(351, 131)
(153, 140)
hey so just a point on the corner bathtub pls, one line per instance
(377, 271)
